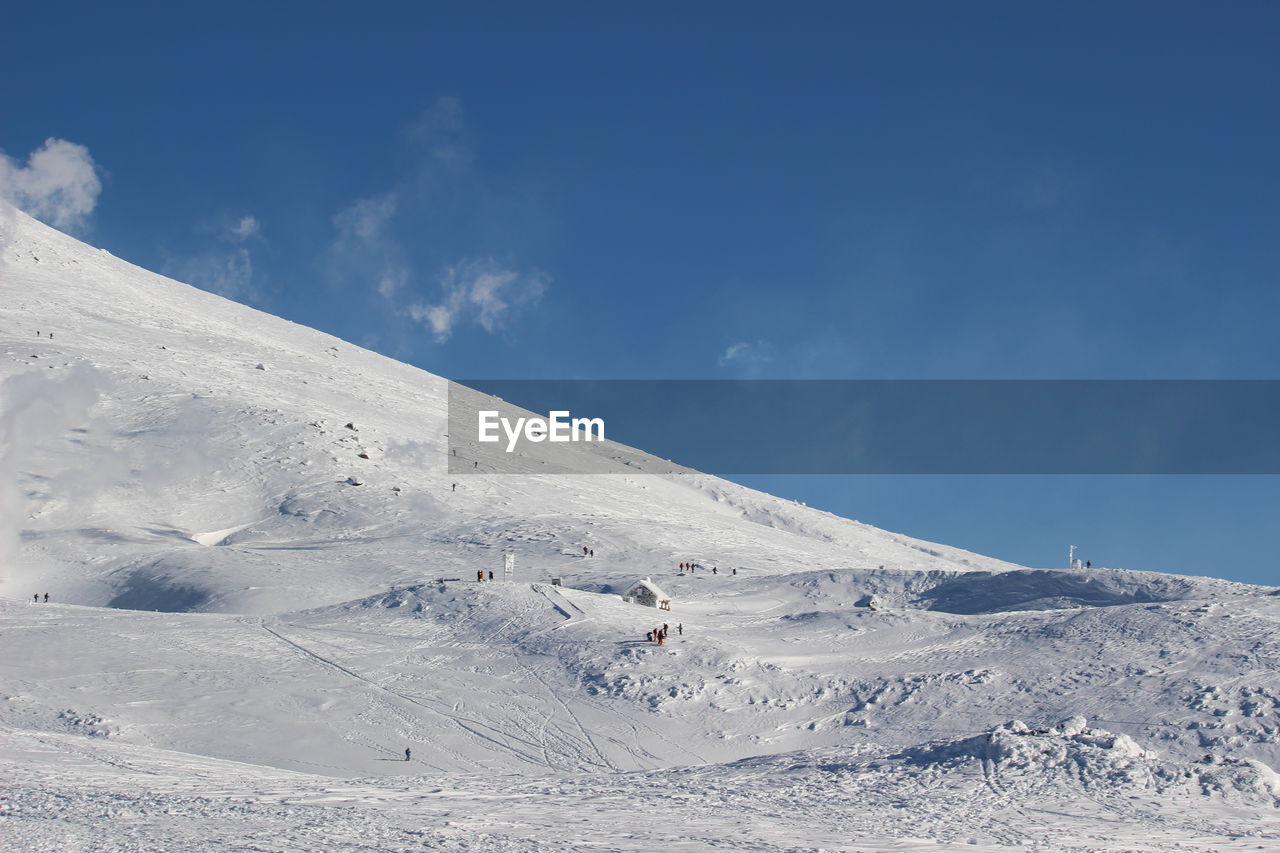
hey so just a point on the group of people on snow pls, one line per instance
(36, 598)
(655, 636)
(693, 567)
(658, 635)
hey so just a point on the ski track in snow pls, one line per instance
(241, 644)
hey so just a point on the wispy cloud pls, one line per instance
(392, 281)
(246, 228)
(441, 189)
(479, 292)
(59, 183)
(364, 223)
(747, 354)
(440, 133)
(364, 250)
(226, 270)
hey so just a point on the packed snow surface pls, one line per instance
(263, 589)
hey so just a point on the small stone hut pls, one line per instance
(645, 592)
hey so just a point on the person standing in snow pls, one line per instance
(1088, 564)
(479, 575)
(408, 753)
(491, 574)
(648, 637)
(46, 598)
(35, 598)
(680, 628)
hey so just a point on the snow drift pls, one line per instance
(241, 641)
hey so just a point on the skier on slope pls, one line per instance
(408, 753)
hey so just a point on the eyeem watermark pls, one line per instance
(557, 426)
(1131, 427)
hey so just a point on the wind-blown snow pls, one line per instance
(240, 643)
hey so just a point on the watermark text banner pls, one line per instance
(872, 426)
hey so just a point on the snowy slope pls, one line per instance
(241, 643)
(218, 486)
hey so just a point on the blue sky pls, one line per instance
(818, 190)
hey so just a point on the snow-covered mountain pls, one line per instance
(241, 642)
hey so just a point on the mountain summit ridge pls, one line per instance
(225, 419)
(270, 622)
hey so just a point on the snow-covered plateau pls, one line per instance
(263, 590)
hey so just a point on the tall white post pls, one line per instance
(1071, 557)
(509, 566)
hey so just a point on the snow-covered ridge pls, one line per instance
(241, 642)
(205, 469)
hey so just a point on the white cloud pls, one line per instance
(365, 221)
(227, 272)
(392, 281)
(247, 228)
(440, 134)
(364, 251)
(441, 191)
(750, 354)
(59, 184)
(478, 291)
